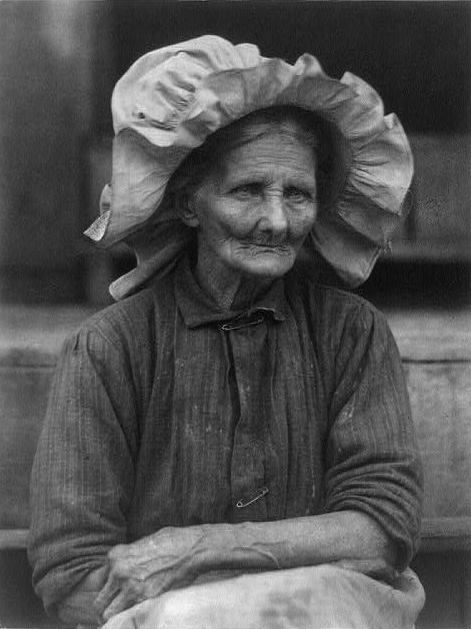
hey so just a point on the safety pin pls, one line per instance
(242, 322)
(242, 503)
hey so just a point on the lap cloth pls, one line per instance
(314, 597)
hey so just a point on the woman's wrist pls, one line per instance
(78, 606)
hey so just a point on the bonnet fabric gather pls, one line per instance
(172, 99)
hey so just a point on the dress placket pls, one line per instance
(249, 486)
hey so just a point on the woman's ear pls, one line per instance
(185, 207)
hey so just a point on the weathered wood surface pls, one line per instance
(30, 341)
(33, 336)
(432, 336)
(13, 538)
(436, 353)
(436, 350)
(441, 401)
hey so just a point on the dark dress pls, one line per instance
(167, 411)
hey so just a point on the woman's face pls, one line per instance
(258, 205)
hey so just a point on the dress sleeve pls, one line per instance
(372, 459)
(83, 473)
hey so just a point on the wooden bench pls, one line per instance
(436, 352)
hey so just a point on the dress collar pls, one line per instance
(198, 309)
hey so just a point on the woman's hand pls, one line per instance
(149, 567)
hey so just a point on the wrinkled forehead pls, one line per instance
(280, 137)
(273, 153)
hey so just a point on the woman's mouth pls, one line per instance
(261, 248)
(266, 245)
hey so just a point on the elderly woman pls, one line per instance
(230, 414)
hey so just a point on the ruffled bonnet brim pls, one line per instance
(172, 99)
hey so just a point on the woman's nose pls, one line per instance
(274, 219)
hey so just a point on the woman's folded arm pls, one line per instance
(175, 557)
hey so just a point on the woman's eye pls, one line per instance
(247, 189)
(297, 194)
